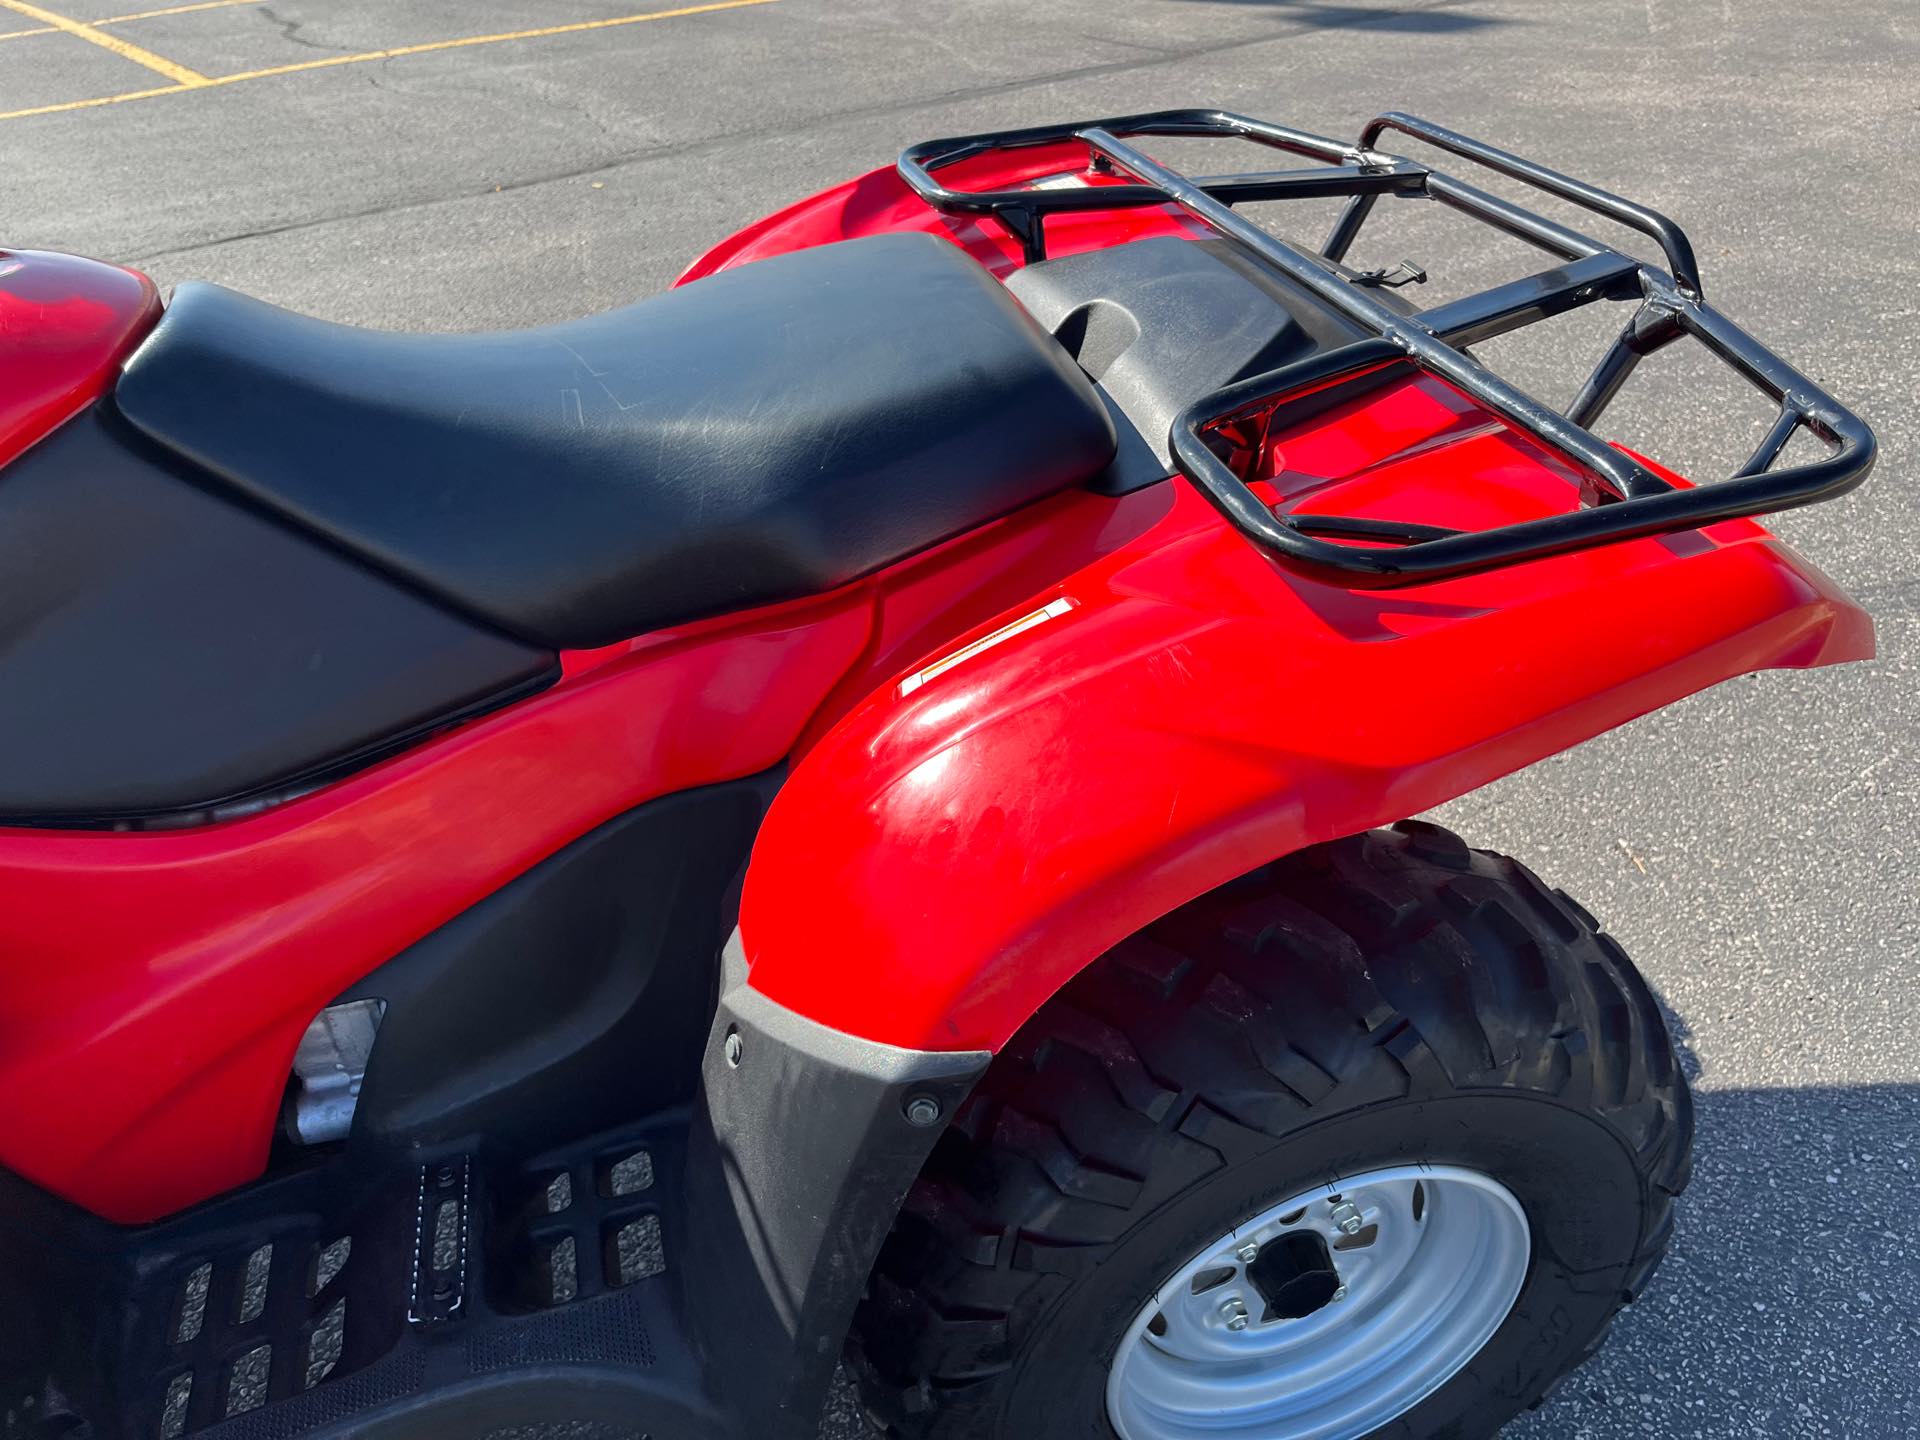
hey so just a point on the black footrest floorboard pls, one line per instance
(536, 1291)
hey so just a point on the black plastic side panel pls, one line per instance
(165, 651)
(575, 998)
(55, 1285)
(1160, 323)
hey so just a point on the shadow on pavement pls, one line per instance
(1790, 1304)
(1406, 20)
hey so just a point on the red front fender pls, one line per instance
(959, 846)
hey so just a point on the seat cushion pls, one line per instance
(765, 433)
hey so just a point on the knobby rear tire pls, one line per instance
(1389, 998)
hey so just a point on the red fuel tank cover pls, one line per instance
(65, 325)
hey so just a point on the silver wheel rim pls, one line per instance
(1429, 1261)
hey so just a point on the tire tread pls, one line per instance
(1412, 965)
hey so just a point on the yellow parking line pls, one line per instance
(201, 82)
(137, 15)
(573, 29)
(99, 100)
(125, 49)
(173, 10)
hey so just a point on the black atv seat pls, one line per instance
(766, 433)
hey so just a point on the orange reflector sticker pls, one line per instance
(1027, 622)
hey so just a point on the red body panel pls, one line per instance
(879, 202)
(155, 985)
(944, 854)
(65, 325)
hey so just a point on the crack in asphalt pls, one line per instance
(289, 30)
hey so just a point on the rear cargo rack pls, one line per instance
(1624, 500)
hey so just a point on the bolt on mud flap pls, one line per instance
(804, 1142)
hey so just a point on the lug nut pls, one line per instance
(1248, 1253)
(1347, 1216)
(1234, 1312)
(1341, 1293)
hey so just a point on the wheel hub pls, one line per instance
(1326, 1316)
(1295, 1275)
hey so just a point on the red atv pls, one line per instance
(554, 882)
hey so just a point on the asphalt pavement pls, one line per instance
(427, 164)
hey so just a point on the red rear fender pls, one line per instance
(879, 203)
(1183, 710)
